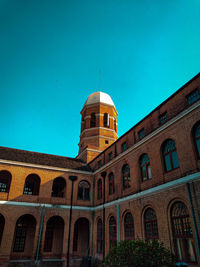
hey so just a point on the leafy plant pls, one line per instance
(136, 253)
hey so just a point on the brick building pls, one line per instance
(145, 184)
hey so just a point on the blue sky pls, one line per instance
(51, 53)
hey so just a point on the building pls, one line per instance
(145, 184)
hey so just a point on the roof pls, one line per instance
(42, 159)
(99, 97)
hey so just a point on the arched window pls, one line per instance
(2, 223)
(112, 232)
(5, 181)
(170, 155)
(54, 235)
(111, 182)
(126, 176)
(99, 187)
(106, 122)
(99, 236)
(150, 224)
(84, 190)
(145, 167)
(182, 233)
(196, 135)
(93, 120)
(32, 185)
(24, 234)
(128, 227)
(115, 125)
(59, 187)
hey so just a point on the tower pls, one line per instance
(98, 125)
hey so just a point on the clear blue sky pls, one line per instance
(51, 53)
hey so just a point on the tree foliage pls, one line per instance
(136, 253)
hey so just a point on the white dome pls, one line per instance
(99, 97)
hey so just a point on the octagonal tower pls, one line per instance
(98, 125)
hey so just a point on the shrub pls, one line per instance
(136, 253)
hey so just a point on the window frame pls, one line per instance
(192, 98)
(126, 176)
(111, 183)
(83, 191)
(146, 165)
(128, 227)
(169, 155)
(152, 224)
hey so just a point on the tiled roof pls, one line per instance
(42, 159)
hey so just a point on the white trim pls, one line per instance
(167, 186)
(149, 136)
(101, 136)
(43, 167)
(96, 128)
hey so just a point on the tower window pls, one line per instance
(93, 120)
(106, 120)
(110, 156)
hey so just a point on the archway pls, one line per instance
(81, 237)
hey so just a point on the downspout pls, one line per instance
(193, 218)
(72, 179)
(40, 235)
(118, 224)
(103, 174)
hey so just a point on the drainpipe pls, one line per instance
(72, 179)
(193, 218)
(40, 235)
(118, 224)
(103, 174)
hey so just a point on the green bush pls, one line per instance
(136, 253)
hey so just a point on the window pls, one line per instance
(163, 118)
(193, 97)
(93, 120)
(126, 176)
(150, 224)
(141, 134)
(106, 120)
(99, 236)
(110, 156)
(111, 183)
(5, 181)
(99, 186)
(145, 167)
(84, 190)
(106, 142)
(2, 223)
(196, 136)
(59, 187)
(182, 233)
(128, 227)
(115, 125)
(99, 164)
(112, 232)
(32, 185)
(24, 231)
(124, 146)
(170, 155)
